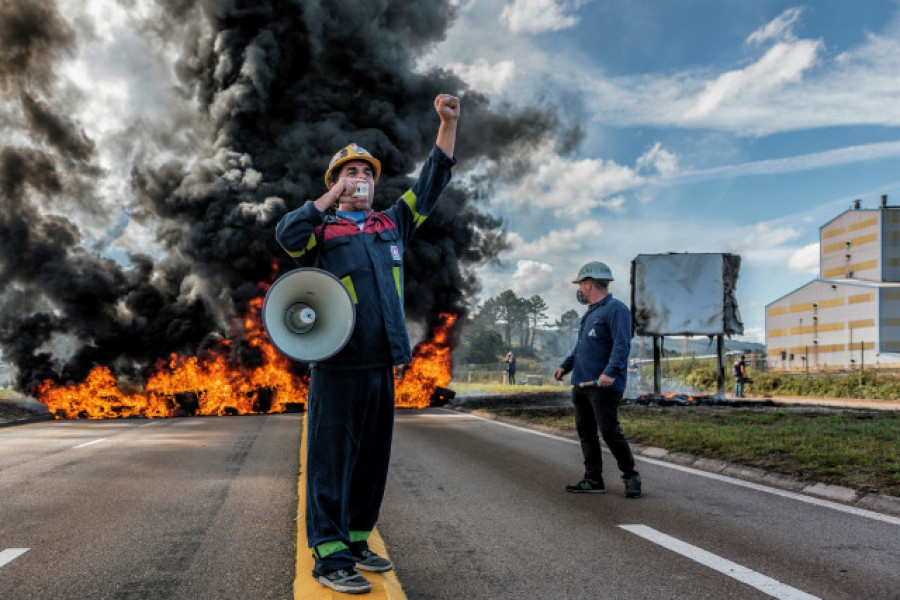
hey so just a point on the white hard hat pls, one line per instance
(594, 270)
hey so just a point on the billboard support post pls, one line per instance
(720, 367)
(657, 371)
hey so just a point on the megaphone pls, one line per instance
(308, 314)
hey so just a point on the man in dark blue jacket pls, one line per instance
(350, 414)
(599, 366)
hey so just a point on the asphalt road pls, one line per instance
(135, 509)
(204, 508)
(475, 509)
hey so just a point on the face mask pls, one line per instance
(580, 297)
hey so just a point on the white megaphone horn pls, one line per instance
(308, 314)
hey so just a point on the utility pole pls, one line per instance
(816, 335)
(850, 350)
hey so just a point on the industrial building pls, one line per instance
(849, 317)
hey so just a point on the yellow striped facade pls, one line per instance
(833, 325)
(802, 329)
(864, 239)
(860, 298)
(827, 327)
(863, 224)
(805, 307)
(831, 302)
(861, 323)
(833, 247)
(851, 268)
(822, 349)
(857, 241)
(828, 348)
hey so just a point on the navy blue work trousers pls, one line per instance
(350, 423)
(595, 408)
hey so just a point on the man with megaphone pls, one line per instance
(350, 415)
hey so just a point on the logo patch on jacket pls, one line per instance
(592, 333)
(395, 252)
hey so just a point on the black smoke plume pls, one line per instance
(280, 85)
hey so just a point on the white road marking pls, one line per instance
(765, 584)
(89, 443)
(11, 554)
(859, 512)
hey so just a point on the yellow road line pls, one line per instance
(384, 585)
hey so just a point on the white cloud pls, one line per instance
(559, 241)
(761, 236)
(805, 259)
(783, 63)
(803, 162)
(534, 16)
(754, 334)
(533, 277)
(485, 76)
(574, 188)
(794, 86)
(658, 158)
(779, 28)
(766, 244)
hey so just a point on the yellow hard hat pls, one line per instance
(348, 153)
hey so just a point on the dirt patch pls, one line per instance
(11, 411)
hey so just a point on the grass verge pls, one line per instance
(860, 450)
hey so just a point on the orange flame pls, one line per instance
(187, 385)
(430, 368)
(213, 386)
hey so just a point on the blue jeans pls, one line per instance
(738, 387)
(599, 408)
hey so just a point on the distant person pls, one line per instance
(739, 370)
(510, 368)
(600, 361)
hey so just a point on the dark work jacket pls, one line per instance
(369, 262)
(604, 341)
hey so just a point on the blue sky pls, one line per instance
(710, 126)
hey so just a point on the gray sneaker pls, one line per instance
(369, 561)
(633, 486)
(344, 580)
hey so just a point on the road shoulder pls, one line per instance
(881, 503)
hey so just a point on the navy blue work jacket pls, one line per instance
(604, 342)
(369, 262)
